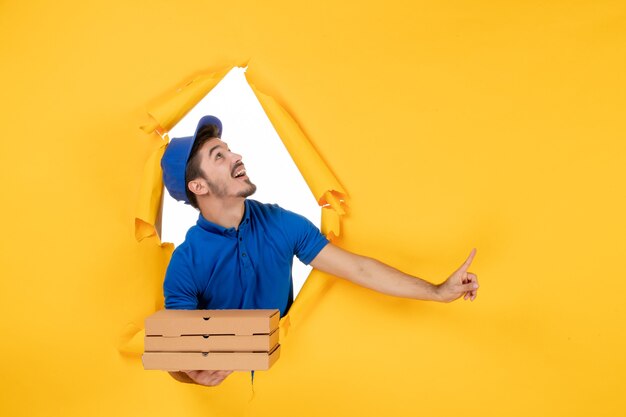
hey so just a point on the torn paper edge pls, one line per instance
(168, 111)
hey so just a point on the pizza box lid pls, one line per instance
(173, 323)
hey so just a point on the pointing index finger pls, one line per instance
(469, 260)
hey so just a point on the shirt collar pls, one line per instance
(216, 228)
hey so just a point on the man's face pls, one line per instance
(224, 171)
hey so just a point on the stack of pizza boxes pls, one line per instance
(238, 340)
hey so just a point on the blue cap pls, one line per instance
(174, 160)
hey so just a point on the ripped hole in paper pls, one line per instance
(248, 132)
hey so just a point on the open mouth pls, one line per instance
(239, 172)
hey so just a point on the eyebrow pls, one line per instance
(215, 147)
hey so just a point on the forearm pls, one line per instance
(373, 274)
(383, 278)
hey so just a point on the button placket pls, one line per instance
(242, 249)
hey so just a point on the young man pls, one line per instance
(240, 253)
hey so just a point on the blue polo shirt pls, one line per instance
(244, 268)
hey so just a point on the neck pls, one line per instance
(224, 212)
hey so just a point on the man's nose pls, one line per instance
(236, 157)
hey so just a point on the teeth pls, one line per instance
(240, 173)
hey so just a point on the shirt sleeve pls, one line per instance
(306, 238)
(179, 287)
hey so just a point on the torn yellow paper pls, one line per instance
(322, 183)
(131, 340)
(172, 107)
(331, 222)
(163, 115)
(149, 202)
(314, 170)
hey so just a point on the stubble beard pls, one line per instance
(248, 191)
(220, 191)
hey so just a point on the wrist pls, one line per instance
(426, 291)
(436, 293)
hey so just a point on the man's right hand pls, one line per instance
(207, 378)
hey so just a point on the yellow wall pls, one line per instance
(451, 125)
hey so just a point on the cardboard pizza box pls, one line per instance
(173, 323)
(211, 361)
(212, 343)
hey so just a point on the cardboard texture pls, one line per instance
(212, 343)
(216, 361)
(172, 323)
(241, 340)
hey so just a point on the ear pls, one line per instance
(198, 186)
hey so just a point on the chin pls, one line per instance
(249, 191)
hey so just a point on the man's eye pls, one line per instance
(219, 155)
